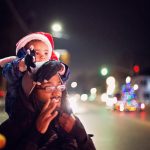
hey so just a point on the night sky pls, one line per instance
(114, 33)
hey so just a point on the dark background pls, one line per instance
(111, 33)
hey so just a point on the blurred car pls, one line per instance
(129, 106)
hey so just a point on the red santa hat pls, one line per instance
(43, 36)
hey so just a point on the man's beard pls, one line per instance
(56, 99)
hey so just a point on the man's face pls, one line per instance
(51, 91)
(41, 50)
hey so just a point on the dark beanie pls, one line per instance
(45, 72)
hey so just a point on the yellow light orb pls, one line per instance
(2, 141)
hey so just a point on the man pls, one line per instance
(42, 119)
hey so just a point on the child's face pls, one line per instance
(41, 50)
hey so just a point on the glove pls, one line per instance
(29, 59)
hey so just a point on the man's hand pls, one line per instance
(46, 116)
(67, 122)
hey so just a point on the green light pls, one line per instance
(104, 71)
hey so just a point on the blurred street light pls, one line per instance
(56, 27)
(84, 97)
(128, 79)
(63, 55)
(74, 84)
(110, 80)
(104, 97)
(93, 90)
(135, 87)
(57, 31)
(103, 71)
(136, 68)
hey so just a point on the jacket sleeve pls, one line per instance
(69, 144)
(84, 141)
(11, 71)
(19, 137)
(11, 132)
(30, 142)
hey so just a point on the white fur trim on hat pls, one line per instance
(34, 36)
(38, 65)
(6, 60)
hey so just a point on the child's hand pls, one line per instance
(30, 59)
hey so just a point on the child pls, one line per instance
(31, 51)
(42, 44)
(22, 44)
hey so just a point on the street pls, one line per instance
(113, 130)
(116, 130)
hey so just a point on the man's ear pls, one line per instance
(63, 69)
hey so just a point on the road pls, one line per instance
(113, 130)
(116, 130)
